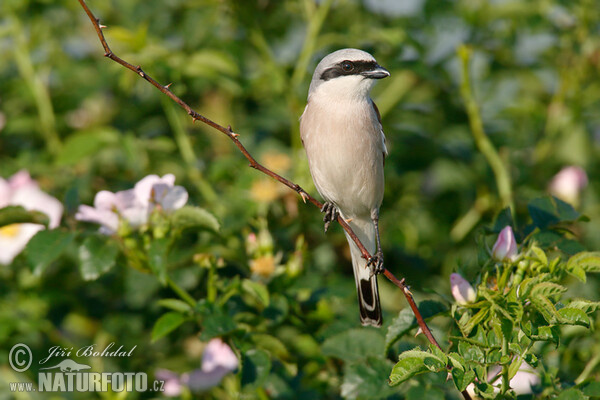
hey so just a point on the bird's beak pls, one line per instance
(378, 73)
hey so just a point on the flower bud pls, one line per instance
(568, 183)
(462, 290)
(505, 248)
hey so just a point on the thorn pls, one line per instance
(349, 220)
(102, 26)
(235, 135)
(407, 291)
(229, 128)
(167, 86)
(419, 332)
(304, 197)
(139, 71)
(194, 119)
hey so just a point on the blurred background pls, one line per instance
(80, 123)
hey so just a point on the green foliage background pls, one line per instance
(81, 123)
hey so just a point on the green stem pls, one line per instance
(186, 150)
(483, 143)
(185, 296)
(505, 373)
(589, 367)
(38, 89)
(211, 289)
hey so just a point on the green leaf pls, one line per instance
(571, 394)
(18, 215)
(586, 305)
(271, 344)
(175, 305)
(256, 366)
(414, 362)
(547, 289)
(546, 308)
(592, 389)
(97, 255)
(194, 217)
(475, 320)
(547, 211)
(406, 321)
(257, 290)
(574, 316)
(462, 379)
(470, 352)
(166, 324)
(363, 342)
(83, 144)
(215, 322)
(363, 380)
(578, 273)
(45, 247)
(588, 261)
(157, 258)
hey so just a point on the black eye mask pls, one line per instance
(348, 68)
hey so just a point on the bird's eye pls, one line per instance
(347, 66)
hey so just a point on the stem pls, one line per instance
(38, 89)
(589, 367)
(185, 296)
(505, 373)
(482, 142)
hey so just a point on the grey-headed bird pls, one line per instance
(345, 145)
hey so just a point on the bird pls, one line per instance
(343, 137)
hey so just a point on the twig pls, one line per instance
(256, 165)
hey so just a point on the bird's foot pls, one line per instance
(331, 214)
(376, 263)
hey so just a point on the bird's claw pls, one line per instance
(331, 214)
(376, 263)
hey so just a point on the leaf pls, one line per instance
(462, 378)
(363, 342)
(166, 324)
(578, 273)
(81, 145)
(414, 362)
(257, 290)
(475, 320)
(157, 258)
(546, 308)
(592, 389)
(571, 394)
(574, 316)
(363, 380)
(589, 261)
(470, 352)
(586, 305)
(271, 344)
(406, 321)
(256, 366)
(547, 289)
(97, 255)
(175, 305)
(546, 211)
(45, 247)
(194, 217)
(18, 215)
(215, 321)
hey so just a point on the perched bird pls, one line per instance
(345, 146)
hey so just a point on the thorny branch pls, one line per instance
(256, 165)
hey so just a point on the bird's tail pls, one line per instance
(366, 285)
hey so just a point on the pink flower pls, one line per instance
(568, 183)
(505, 248)
(21, 190)
(461, 289)
(218, 360)
(133, 205)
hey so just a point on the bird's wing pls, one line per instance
(385, 152)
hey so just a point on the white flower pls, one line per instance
(462, 290)
(568, 183)
(133, 205)
(522, 382)
(21, 190)
(505, 248)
